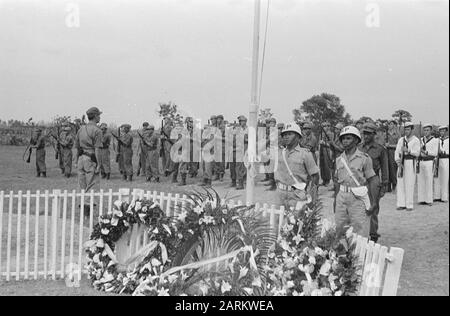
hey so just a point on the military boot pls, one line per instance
(183, 180)
(108, 175)
(233, 183)
(174, 178)
(240, 185)
(38, 175)
(130, 178)
(44, 174)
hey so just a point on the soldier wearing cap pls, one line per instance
(126, 143)
(393, 135)
(379, 157)
(441, 181)
(88, 142)
(38, 143)
(359, 125)
(219, 165)
(429, 152)
(105, 160)
(297, 172)
(152, 148)
(142, 153)
(355, 177)
(240, 142)
(67, 140)
(309, 141)
(406, 154)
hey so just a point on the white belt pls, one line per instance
(345, 189)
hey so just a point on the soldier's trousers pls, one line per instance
(61, 159)
(88, 179)
(152, 164)
(142, 162)
(188, 167)
(441, 183)
(374, 200)
(425, 182)
(67, 157)
(127, 159)
(351, 212)
(238, 171)
(208, 169)
(40, 161)
(105, 160)
(219, 167)
(392, 167)
(406, 185)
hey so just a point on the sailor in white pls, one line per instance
(406, 154)
(441, 182)
(429, 147)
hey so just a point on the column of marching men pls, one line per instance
(350, 160)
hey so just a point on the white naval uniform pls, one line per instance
(441, 183)
(406, 185)
(425, 176)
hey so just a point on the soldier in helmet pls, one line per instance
(379, 157)
(355, 177)
(188, 166)
(67, 141)
(89, 142)
(38, 143)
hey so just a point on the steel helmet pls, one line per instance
(351, 130)
(292, 127)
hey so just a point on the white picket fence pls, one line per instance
(42, 233)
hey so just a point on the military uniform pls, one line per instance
(219, 166)
(379, 157)
(105, 159)
(309, 141)
(89, 141)
(393, 135)
(167, 162)
(38, 142)
(152, 148)
(208, 141)
(142, 154)
(425, 177)
(325, 155)
(67, 141)
(126, 140)
(441, 182)
(187, 165)
(406, 184)
(238, 170)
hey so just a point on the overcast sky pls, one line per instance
(127, 56)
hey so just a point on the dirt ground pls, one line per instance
(423, 233)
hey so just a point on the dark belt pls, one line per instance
(426, 158)
(443, 156)
(410, 157)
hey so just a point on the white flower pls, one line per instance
(349, 233)
(118, 204)
(325, 269)
(290, 284)
(115, 221)
(226, 287)
(100, 243)
(145, 209)
(248, 290)
(312, 260)
(172, 278)
(117, 213)
(204, 288)
(182, 217)
(142, 217)
(316, 293)
(292, 219)
(184, 276)
(138, 206)
(155, 231)
(338, 293)
(243, 272)
(163, 292)
(96, 258)
(319, 251)
(106, 221)
(155, 262)
(298, 239)
(105, 231)
(198, 210)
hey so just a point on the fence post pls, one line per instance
(124, 194)
(54, 229)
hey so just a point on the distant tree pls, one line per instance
(366, 119)
(402, 116)
(264, 115)
(322, 108)
(170, 111)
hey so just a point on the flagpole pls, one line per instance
(253, 111)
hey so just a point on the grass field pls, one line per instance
(423, 234)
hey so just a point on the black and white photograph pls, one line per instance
(224, 152)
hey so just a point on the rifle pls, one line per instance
(401, 168)
(119, 149)
(165, 135)
(424, 148)
(322, 131)
(29, 149)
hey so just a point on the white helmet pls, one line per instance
(292, 127)
(350, 130)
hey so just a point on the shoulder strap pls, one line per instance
(289, 169)
(350, 171)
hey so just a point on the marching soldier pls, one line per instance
(88, 142)
(355, 177)
(441, 182)
(406, 154)
(393, 135)
(380, 166)
(429, 151)
(105, 160)
(219, 166)
(152, 148)
(297, 171)
(66, 141)
(126, 142)
(309, 141)
(38, 143)
(238, 169)
(142, 153)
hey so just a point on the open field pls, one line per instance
(422, 233)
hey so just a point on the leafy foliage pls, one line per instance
(170, 111)
(402, 116)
